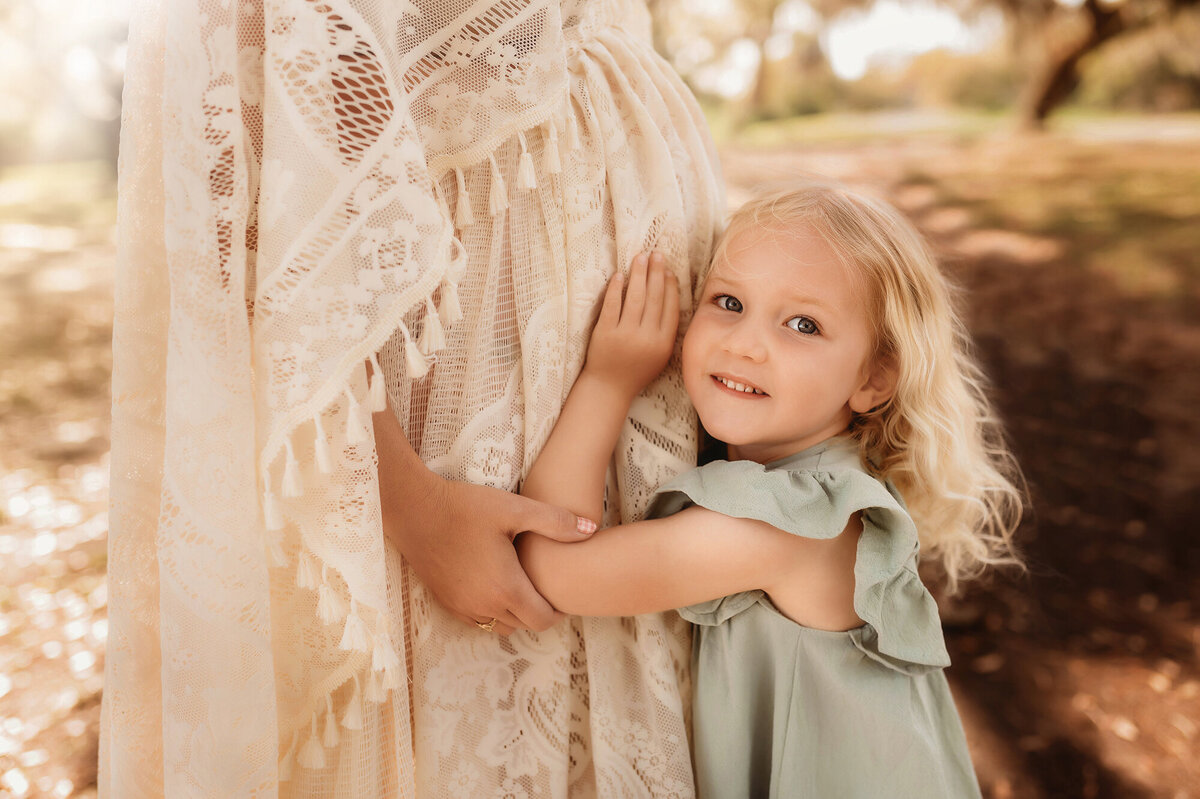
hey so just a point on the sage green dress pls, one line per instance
(782, 710)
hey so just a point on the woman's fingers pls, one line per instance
(532, 611)
(527, 515)
(635, 295)
(499, 628)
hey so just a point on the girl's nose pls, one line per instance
(744, 341)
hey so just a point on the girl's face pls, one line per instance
(778, 354)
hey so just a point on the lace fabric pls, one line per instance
(443, 188)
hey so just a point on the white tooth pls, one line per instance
(739, 386)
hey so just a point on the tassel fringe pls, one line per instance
(462, 211)
(271, 511)
(355, 637)
(356, 431)
(375, 692)
(306, 573)
(330, 607)
(313, 755)
(553, 163)
(330, 739)
(449, 309)
(433, 337)
(378, 391)
(498, 197)
(289, 757)
(292, 485)
(275, 550)
(321, 444)
(526, 176)
(417, 365)
(352, 719)
(572, 131)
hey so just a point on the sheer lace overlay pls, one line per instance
(442, 189)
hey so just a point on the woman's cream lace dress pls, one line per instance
(443, 187)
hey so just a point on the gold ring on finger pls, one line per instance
(486, 625)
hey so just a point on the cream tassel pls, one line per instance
(356, 431)
(355, 636)
(292, 485)
(384, 657)
(271, 511)
(433, 337)
(285, 765)
(553, 164)
(449, 309)
(462, 210)
(275, 550)
(330, 607)
(321, 443)
(498, 196)
(440, 196)
(572, 131)
(331, 731)
(526, 177)
(306, 572)
(378, 392)
(312, 755)
(374, 692)
(417, 365)
(352, 719)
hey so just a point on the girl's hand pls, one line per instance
(633, 340)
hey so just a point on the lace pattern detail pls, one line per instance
(442, 188)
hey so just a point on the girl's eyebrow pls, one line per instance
(717, 282)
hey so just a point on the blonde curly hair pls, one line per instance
(937, 438)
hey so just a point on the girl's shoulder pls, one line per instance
(814, 494)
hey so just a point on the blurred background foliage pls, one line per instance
(748, 60)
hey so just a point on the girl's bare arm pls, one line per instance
(630, 345)
(694, 556)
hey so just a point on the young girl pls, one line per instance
(827, 358)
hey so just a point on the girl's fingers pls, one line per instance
(610, 310)
(656, 280)
(635, 295)
(670, 314)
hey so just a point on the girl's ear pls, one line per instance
(878, 385)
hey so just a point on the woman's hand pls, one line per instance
(633, 340)
(458, 537)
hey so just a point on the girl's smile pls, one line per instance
(778, 355)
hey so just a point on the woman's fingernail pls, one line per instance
(585, 526)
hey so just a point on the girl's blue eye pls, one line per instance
(802, 324)
(728, 303)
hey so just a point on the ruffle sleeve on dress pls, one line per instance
(902, 630)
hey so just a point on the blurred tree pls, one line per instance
(1061, 34)
(1155, 70)
(63, 66)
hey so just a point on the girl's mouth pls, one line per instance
(745, 389)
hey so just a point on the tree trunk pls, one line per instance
(1060, 74)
